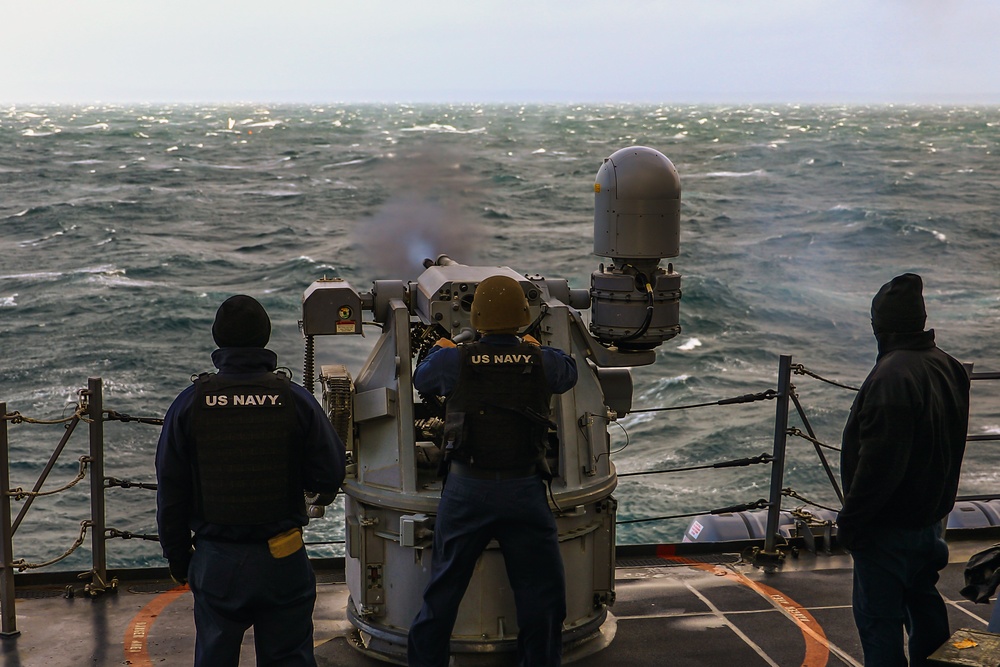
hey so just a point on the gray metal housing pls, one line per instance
(637, 205)
(392, 492)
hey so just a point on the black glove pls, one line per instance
(179, 568)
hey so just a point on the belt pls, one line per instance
(465, 470)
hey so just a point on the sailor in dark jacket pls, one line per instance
(902, 454)
(498, 392)
(238, 451)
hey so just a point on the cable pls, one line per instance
(745, 398)
(799, 369)
(597, 458)
(757, 504)
(762, 458)
(627, 439)
(792, 493)
(644, 327)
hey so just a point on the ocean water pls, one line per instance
(125, 227)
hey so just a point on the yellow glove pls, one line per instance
(528, 338)
(444, 342)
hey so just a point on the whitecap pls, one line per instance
(346, 163)
(234, 167)
(433, 127)
(8, 301)
(109, 269)
(96, 126)
(667, 382)
(277, 194)
(736, 174)
(689, 344)
(635, 418)
(438, 127)
(266, 123)
(37, 276)
(940, 236)
(32, 242)
(117, 279)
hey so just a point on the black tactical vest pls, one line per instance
(247, 467)
(499, 410)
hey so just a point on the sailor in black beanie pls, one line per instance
(902, 454)
(899, 306)
(238, 451)
(241, 322)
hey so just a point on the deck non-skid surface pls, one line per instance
(683, 614)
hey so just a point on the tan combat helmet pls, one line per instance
(499, 306)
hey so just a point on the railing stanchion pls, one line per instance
(95, 411)
(8, 624)
(778, 464)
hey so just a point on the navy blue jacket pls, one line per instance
(322, 469)
(438, 373)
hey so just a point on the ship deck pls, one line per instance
(710, 608)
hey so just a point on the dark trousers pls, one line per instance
(994, 625)
(514, 512)
(894, 589)
(237, 586)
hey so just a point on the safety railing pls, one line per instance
(90, 410)
(786, 397)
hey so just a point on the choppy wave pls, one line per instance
(126, 226)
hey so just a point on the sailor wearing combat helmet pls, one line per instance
(497, 405)
(236, 453)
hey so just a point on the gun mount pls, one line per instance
(393, 436)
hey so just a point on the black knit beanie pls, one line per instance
(241, 322)
(899, 306)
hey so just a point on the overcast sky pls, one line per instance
(661, 51)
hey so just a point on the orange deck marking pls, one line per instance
(136, 650)
(817, 646)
